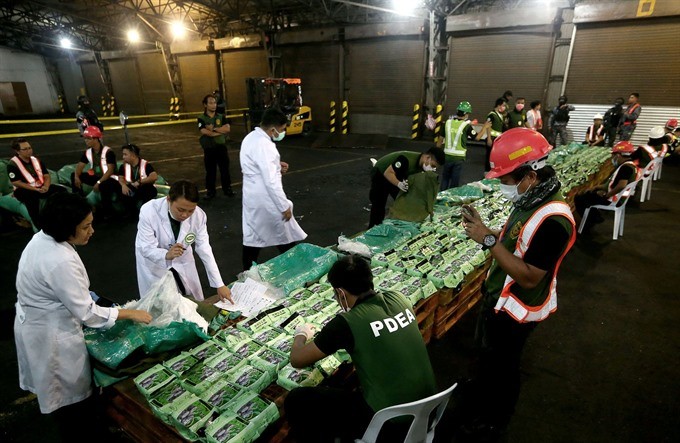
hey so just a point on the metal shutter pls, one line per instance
(318, 67)
(156, 89)
(94, 86)
(199, 77)
(614, 59)
(483, 67)
(126, 89)
(238, 65)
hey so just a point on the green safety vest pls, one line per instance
(496, 123)
(456, 141)
(389, 353)
(535, 304)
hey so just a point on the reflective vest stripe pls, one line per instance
(508, 301)
(36, 183)
(142, 171)
(614, 198)
(453, 147)
(590, 132)
(102, 160)
(538, 120)
(632, 108)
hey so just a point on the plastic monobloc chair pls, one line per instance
(618, 205)
(647, 177)
(657, 167)
(422, 429)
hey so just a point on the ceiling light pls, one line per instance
(133, 36)
(65, 43)
(405, 7)
(178, 30)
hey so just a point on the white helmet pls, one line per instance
(598, 117)
(657, 132)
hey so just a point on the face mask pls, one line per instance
(429, 168)
(511, 192)
(280, 136)
(519, 107)
(344, 307)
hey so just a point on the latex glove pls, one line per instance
(307, 330)
(403, 185)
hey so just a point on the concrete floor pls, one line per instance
(599, 370)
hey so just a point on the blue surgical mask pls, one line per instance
(280, 135)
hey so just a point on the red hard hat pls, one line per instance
(672, 123)
(92, 131)
(624, 148)
(514, 148)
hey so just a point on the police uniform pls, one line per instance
(381, 334)
(517, 119)
(33, 173)
(558, 124)
(215, 154)
(628, 121)
(404, 164)
(141, 193)
(457, 133)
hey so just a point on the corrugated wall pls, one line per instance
(483, 66)
(126, 87)
(616, 58)
(199, 78)
(238, 65)
(156, 89)
(318, 67)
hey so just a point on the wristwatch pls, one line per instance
(489, 241)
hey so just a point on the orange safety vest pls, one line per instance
(592, 132)
(142, 171)
(102, 160)
(507, 301)
(628, 111)
(36, 183)
(614, 198)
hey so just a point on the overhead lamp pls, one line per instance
(178, 30)
(405, 7)
(133, 36)
(66, 43)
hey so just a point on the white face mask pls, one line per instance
(511, 192)
(429, 168)
(280, 136)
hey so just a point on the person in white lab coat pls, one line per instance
(168, 231)
(267, 213)
(53, 302)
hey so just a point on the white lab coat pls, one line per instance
(155, 237)
(264, 201)
(53, 302)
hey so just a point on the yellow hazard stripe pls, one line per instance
(110, 128)
(520, 152)
(69, 120)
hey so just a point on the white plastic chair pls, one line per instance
(647, 177)
(618, 206)
(657, 167)
(422, 429)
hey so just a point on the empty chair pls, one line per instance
(618, 205)
(422, 428)
(647, 177)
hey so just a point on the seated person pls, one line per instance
(380, 332)
(672, 130)
(626, 172)
(658, 141)
(595, 132)
(136, 177)
(102, 162)
(390, 175)
(30, 179)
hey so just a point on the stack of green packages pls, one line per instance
(246, 417)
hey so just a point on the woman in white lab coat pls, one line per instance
(169, 230)
(267, 213)
(53, 302)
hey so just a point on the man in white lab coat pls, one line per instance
(168, 231)
(267, 213)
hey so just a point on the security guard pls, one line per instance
(213, 128)
(380, 332)
(458, 130)
(520, 288)
(30, 179)
(102, 162)
(517, 116)
(495, 122)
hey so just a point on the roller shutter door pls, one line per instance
(385, 76)
(317, 66)
(199, 77)
(126, 89)
(93, 84)
(239, 65)
(156, 89)
(483, 67)
(614, 59)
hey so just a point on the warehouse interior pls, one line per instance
(600, 369)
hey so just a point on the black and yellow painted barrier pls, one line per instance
(331, 121)
(415, 124)
(61, 104)
(345, 116)
(174, 106)
(437, 122)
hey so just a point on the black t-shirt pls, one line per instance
(625, 173)
(135, 171)
(96, 163)
(546, 246)
(16, 175)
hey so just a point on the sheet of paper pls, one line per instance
(249, 298)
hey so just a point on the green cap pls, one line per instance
(465, 107)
